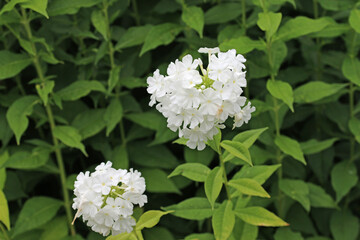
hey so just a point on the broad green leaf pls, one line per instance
(122, 236)
(28, 160)
(195, 208)
(242, 45)
(290, 147)
(334, 29)
(113, 115)
(343, 179)
(222, 13)
(281, 90)
(354, 126)
(17, 114)
(335, 5)
(259, 216)
(194, 171)
(149, 219)
(114, 77)
(344, 225)
(194, 156)
(215, 142)
(319, 198)
(213, 185)
(200, 236)
(4, 210)
(37, 5)
(12, 64)
(79, 89)
(151, 120)
(99, 22)
(316, 90)
(300, 26)
(133, 36)
(70, 136)
(351, 69)
(119, 157)
(287, 234)
(281, 2)
(238, 150)
(354, 19)
(44, 89)
(258, 173)
(157, 181)
(36, 212)
(162, 34)
(11, 5)
(56, 229)
(244, 231)
(158, 233)
(297, 190)
(278, 54)
(62, 7)
(249, 187)
(223, 220)
(314, 146)
(269, 22)
(194, 18)
(249, 137)
(90, 122)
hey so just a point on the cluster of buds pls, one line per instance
(197, 103)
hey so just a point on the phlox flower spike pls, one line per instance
(197, 102)
(105, 198)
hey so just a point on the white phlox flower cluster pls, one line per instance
(106, 197)
(198, 104)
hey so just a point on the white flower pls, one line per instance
(197, 103)
(105, 198)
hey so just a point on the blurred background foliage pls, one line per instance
(73, 94)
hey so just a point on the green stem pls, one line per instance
(58, 154)
(222, 168)
(136, 12)
(243, 17)
(6, 236)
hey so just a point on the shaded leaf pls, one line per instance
(297, 190)
(259, 216)
(195, 208)
(223, 220)
(70, 136)
(290, 147)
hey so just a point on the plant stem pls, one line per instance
(57, 149)
(136, 12)
(4, 232)
(222, 168)
(243, 17)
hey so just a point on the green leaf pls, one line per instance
(200, 236)
(121, 236)
(90, 122)
(28, 160)
(157, 181)
(319, 198)
(278, 54)
(99, 22)
(79, 89)
(301, 26)
(196, 208)
(290, 147)
(269, 22)
(215, 142)
(12, 64)
(37, 5)
(18, 112)
(44, 90)
(354, 126)
(223, 220)
(314, 146)
(242, 45)
(56, 229)
(354, 19)
(114, 77)
(11, 5)
(133, 36)
(162, 34)
(149, 219)
(315, 91)
(259, 216)
(286, 234)
(343, 178)
(151, 120)
(194, 171)
(4, 210)
(194, 18)
(222, 13)
(62, 7)
(281, 90)
(249, 187)
(120, 158)
(258, 173)
(113, 115)
(297, 190)
(213, 185)
(249, 137)
(344, 225)
(194, 156)
(70, 136)
(351, 69)
(36, 212)
(238, 150)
